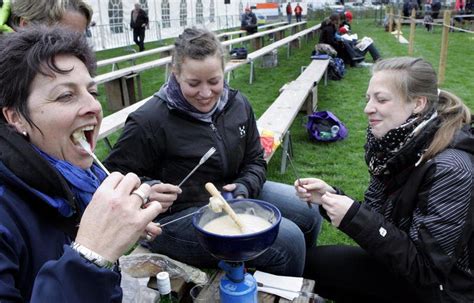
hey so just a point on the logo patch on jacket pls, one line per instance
(242, 131)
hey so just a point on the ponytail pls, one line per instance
(453, 114)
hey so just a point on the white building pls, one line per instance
(167, 18)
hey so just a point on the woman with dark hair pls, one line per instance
(415, 227)
(63, 221)
(165, 138)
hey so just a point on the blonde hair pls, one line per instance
(47, 12)
(415, 77)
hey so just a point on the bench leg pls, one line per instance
(252, 71)
(166, 72)
(107, 142)
(139, 87)
(125, 95)
(287, 148)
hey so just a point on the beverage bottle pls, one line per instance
(334, 130)
(164, 287)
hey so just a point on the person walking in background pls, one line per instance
(435, 8)
(138, 23)
(298, 12)
(289, 12)
(414, 228)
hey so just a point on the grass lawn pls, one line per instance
(341, 163)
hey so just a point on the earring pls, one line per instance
(24, 133)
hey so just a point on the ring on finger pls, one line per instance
(141, 194)
(148, 237)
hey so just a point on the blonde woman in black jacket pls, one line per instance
(415, 227)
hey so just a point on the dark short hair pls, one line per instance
(32, 51)
(197, 44)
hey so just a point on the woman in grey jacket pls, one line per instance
(415, 227)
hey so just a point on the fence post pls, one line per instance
(390, 20)
(399, 25)
(412, 32)
(443, 55)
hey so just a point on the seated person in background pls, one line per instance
(166, 137)
(249, 22)
(414, 229)
(350, 50)
(329, 28)
(63, 221)
(427, 21)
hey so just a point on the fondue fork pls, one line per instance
(297, 175)
(88, 149)
(204, 158)
(177, 219)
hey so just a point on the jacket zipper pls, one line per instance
(220, 148)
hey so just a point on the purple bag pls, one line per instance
(324, 126)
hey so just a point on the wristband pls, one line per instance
(92, 257)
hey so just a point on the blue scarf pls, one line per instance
(175, 99)
(83, 182)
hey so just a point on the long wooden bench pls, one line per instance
(240, 32)
(165, 50)
(282, 112)
(273, 46)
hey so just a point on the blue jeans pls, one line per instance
(299, 229)
(289, 18)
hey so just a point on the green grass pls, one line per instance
(341, 163)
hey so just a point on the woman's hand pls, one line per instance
(230, 188)
(336, 206)
(114, 219)
(164, 193)
(312, 189)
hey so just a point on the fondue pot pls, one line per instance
(236, 285)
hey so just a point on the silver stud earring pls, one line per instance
(24, 133)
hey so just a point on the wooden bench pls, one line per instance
(258, 37)
(282, 112)
(273, 46)
(240, 32)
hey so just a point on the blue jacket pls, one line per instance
(36, 261)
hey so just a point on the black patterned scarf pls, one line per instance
(406, 143)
